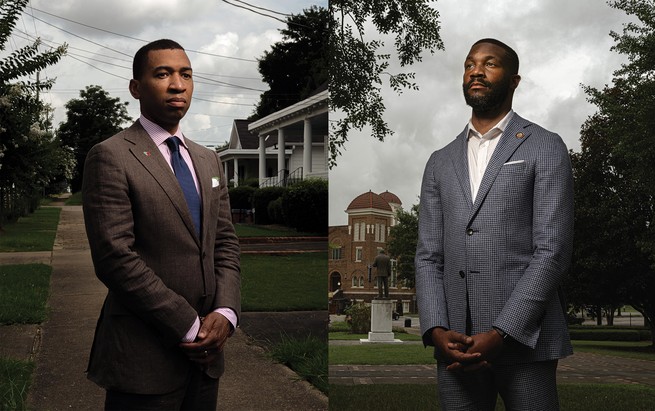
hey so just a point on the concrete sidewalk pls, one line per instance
(61, 345)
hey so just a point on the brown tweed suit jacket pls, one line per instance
(159, 274)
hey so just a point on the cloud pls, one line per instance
(97, 56)
(561, 44)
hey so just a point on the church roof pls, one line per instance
(390, 198)
(369, 200)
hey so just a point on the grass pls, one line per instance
(23, 293)
(250, 230)
(15, 379)
(640, 350)
(74, 199)
(341, 335)
(416, 354)
(283, 282)
(307, 357)
(578, 397)
(383, 354)
(35, 232)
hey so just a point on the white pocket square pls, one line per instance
(215, 182)
(514, 162)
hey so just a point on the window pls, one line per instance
(336, 253)
(355, 282)
(380, 232)
(360, 232)
(359, 254)
(361, 281)
(393, 279)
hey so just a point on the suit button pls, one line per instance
(469, 231)
(462, 274)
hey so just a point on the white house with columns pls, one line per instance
(290, 144)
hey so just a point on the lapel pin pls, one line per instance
(520, 135)
(146, 153)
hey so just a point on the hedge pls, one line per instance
(609, 334)
(261, 199)
(305, 206)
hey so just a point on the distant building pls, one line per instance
(352, 250)
(288, 145)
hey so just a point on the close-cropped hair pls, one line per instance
(512, 59)
(141, 56)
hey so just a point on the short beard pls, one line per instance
(484, 103)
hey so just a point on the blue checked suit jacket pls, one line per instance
(509, 250)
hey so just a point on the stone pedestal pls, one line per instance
(381, 311)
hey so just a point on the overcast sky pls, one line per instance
(560, 43)
(104, 58)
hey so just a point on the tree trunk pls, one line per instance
(599, 315)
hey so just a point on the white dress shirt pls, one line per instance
(481, 148)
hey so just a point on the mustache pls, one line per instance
(478, 81)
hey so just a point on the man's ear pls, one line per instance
(514, 81)
(134, 89)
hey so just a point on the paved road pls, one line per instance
(581, 367)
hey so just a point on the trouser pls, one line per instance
(383, 282)
(530, 386)
(199, 393)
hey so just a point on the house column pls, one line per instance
(225, 171)
(281, 170)
(307, 149)
(236, 172)
(262, 159)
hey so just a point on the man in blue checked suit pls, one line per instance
(495, 241)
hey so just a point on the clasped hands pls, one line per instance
(214, 330)
(466, 353)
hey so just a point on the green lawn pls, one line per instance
(24, 291)
(15, 378)
(382, 354)
(307, 357)
(341, 335)
(35, 232)
(573, 397)
(74, 199)
(641, 350)
(250, 230)
(284, 282)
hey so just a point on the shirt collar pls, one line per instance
(158, 134)
(495, 131)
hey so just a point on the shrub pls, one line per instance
(241, 197)
(305, 206)
(360, 318)
(275, 213)
(607, 334)
(261, 199)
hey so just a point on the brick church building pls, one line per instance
(353, 248)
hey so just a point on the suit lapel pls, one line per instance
(460, 162)
(203, 174)
(514, 135)
(148, 154)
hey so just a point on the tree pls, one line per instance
(297, 66)
(402, 243)
(29, 155)
(614, 170)
(91, 119)
(357, 66)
